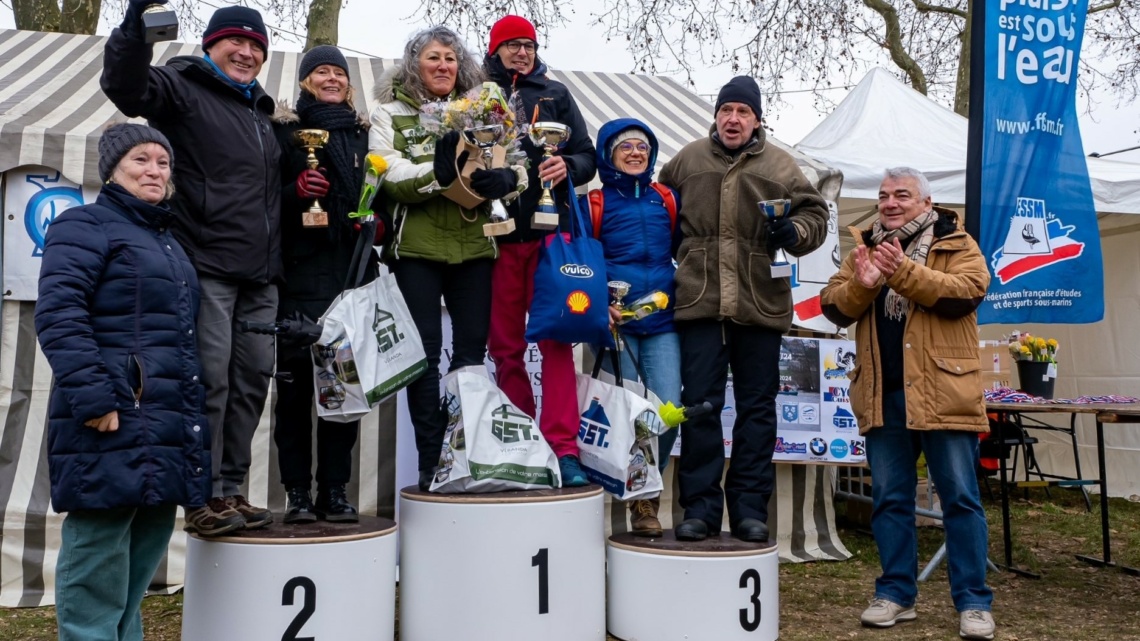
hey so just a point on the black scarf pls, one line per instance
(346, 171)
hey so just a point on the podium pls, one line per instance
(505, 566)
(315, 580)
(669, 590)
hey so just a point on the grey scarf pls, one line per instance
(921, 232)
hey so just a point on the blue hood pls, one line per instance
(607, 173)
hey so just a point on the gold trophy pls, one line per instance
(313, 139)
(773, 209)
(485, 138)
(551, 136)
(618, 290)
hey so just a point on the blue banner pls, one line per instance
(1038, 224)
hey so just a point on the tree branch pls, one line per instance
(924, 7)
(895, 45)
(1104, 7)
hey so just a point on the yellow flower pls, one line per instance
(377, 164)
(1040, 343)
(1025, 350)
(1052, 342)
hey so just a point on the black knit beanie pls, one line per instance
(242, 22)
(122, 137)
(741, 89)
(322, 55)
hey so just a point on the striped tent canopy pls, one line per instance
(52, 109)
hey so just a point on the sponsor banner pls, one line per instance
(33, 197)
(810, 273)
(1038, 229)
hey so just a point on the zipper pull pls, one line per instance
(136, 403)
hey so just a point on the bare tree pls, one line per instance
(74, 16)
(817, 44)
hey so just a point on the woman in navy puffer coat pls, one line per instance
(636, 231)
(127, 439)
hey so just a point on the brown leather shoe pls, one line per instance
(643, 517)
(213, 518)
(255, 517)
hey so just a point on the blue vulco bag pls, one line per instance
(571, 298)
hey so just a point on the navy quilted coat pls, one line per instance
(116, 314)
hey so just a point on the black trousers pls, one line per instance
(708, 348)
(293, 429)
(466, 290)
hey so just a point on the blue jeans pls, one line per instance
(952, 456)
(106, 562)
(660, 359)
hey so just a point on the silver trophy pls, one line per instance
(551, 136)
(159, 24)
(618, 290)
(773, 209)
(485, 138)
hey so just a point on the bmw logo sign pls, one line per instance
(818, 446)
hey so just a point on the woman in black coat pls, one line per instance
(127, 434)
(317, 261)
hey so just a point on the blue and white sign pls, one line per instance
(1038, 224)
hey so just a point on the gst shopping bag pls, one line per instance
(617, 439)
(490, 445)
(571, 298)
(369, 349)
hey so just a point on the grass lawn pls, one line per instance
(1071, 602)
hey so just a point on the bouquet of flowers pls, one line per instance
(479, 107)
(1025, 347)
(374, 169)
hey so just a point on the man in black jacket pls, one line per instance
(227, 200)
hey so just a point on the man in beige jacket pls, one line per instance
(730, 311)
(913, 283)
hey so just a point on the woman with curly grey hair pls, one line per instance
(438, 247)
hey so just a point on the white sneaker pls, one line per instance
(883, 614)
(976, 624)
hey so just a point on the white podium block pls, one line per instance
(669, 590)
(502, 567)
(293, 582)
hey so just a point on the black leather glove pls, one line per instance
(494, 183)
(445, 162)
(781, 234)
(132, 21)
(311, 184)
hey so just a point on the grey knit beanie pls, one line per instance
(629, 133)
(122, 137)
(322, 55)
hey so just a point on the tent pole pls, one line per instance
(974, 214)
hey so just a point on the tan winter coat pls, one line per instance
(941, 377)
(724, 271)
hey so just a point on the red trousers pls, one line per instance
(512, 286)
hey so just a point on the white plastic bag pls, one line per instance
(369, 349)
(490, 445)
(617, 442)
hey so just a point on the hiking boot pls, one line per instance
(255, 517)
(213, 518)
(976, 624)
(300, 508)
(643, 517)
(571, 471)
(332, 505)
(883, 614)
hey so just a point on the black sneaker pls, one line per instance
(332, 505)
(300, 508)
(255, 517)
(213, 518)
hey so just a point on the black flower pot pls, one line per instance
(1034, 380)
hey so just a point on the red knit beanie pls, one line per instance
(509, 28)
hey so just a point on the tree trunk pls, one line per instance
(36, 15)
(79, 16)
(962, 84)
(324, 16)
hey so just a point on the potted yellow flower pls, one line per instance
(1036, 359)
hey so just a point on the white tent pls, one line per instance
(884, 123)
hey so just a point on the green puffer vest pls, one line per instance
(428, 225)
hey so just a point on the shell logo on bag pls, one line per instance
(576, 271)
(578, 301)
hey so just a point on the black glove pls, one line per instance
(445, 162)
(132, 21)
(494, 183)
(781, 234)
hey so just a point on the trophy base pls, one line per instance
(544, 220)
(159, 24)
(315, 219)
(499, 229)
(781, 270)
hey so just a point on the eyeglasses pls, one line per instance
(514, 46)
(628, 147)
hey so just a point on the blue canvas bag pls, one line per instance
(571, 298)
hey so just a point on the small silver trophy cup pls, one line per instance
(618, 290)
(485, 138)
(773, 209)
(159, 24)
(551, 136)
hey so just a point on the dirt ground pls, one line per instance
(1071, 601)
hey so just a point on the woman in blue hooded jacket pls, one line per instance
(636, 229)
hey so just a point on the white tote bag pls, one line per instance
(490, 445)
(617, 439)
(369, 349)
